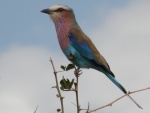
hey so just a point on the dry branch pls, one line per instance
(110, 104)
(57, 86)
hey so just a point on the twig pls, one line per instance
(76, 88)
(59, 71)
(57, 86)
(110, 104)
(77, 98)
(36, 109)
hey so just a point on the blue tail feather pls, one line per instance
(116, 82)
(120, 87)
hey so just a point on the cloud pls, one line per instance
(124, 39)
(22, 69)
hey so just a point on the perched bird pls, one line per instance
(77, 46)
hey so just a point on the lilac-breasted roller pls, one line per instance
(77, 46)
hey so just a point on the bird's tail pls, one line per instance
(112, 78)
(134, 101)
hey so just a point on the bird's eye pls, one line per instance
(60, 10)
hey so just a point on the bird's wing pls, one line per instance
(86, 48)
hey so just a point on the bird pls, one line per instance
(77, 46)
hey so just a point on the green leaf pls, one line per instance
(63, 67)
(62, 88)
(63, 83)
(66, 83)
(70, 66)
(70, 84)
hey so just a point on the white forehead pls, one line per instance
(55, 7)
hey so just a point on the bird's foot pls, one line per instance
(71, 57)
(77, 72)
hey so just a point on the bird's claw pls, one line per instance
(78, 72)
(71, 57)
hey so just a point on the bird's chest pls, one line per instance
(62, 35)
(63, 42)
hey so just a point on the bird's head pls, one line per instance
(59, 12)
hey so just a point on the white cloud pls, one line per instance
(124, 41)
(26, 79)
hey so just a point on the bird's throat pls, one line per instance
(63, 28)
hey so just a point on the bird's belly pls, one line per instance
(76, 58)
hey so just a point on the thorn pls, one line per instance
(53, 87)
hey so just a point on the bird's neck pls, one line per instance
(63, 27)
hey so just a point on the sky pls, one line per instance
(120, 29)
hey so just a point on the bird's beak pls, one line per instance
(47, 11)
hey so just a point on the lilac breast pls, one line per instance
(62, 29)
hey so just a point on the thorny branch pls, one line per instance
(110, 104)
(57, 86)
(77, 74)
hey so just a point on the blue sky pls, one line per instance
(120, 30)
(22, 22)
